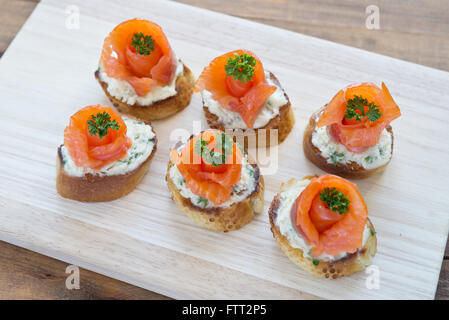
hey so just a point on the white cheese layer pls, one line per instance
(241, 190)
(335, 153)
(142, 137)
(284, 222)
(233, 120)
(123, 91)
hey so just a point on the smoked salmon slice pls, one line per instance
(328, 231)
(121, 60)
(90, 150)
(210, 178)
(245, 98)
(357, 135)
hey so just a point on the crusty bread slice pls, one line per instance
(221, 219)
(96, 188)
(348, 170)
(283, 122)
(350, 264)
(159, 109)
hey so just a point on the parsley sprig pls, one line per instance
(143, 44)
(241, 67)
(99, 124)
(224, 143)
(335, 200)
(358, 103)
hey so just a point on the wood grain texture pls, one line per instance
(443, 283)
(416, 30)
(13, 15)
(404, 38)
(25, 275)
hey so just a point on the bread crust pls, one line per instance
(348, 265)
(159, 109)
(221, 219)
(96, 188)
(348, 170)
(283, 122)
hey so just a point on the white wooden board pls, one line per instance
(47, 74)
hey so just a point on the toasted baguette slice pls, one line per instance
(159, 109)
(348, 170)
(99, 188)
(221, 219)
(348, 265)
(283, 122)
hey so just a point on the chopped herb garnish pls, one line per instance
(337, 157)
(137, 154)
(269, 103)
(251, 170)
(335, 200)
(143, 44)
(372, 232)
(100, 124)
(369, 159)
(130, 159)
(241, 67)
(355, 109)
(224, 144)
(315, 262)
(203, 201)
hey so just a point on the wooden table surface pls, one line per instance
(412, 30)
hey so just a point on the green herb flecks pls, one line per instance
(337, 157)
(372, 232)
(131, 158)
(137, 155)
(143, 44)
(202, 202)
(315, 262)
(241, 67)
(100, 124)
(369, 159)
(335, 200)
(355, 109)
